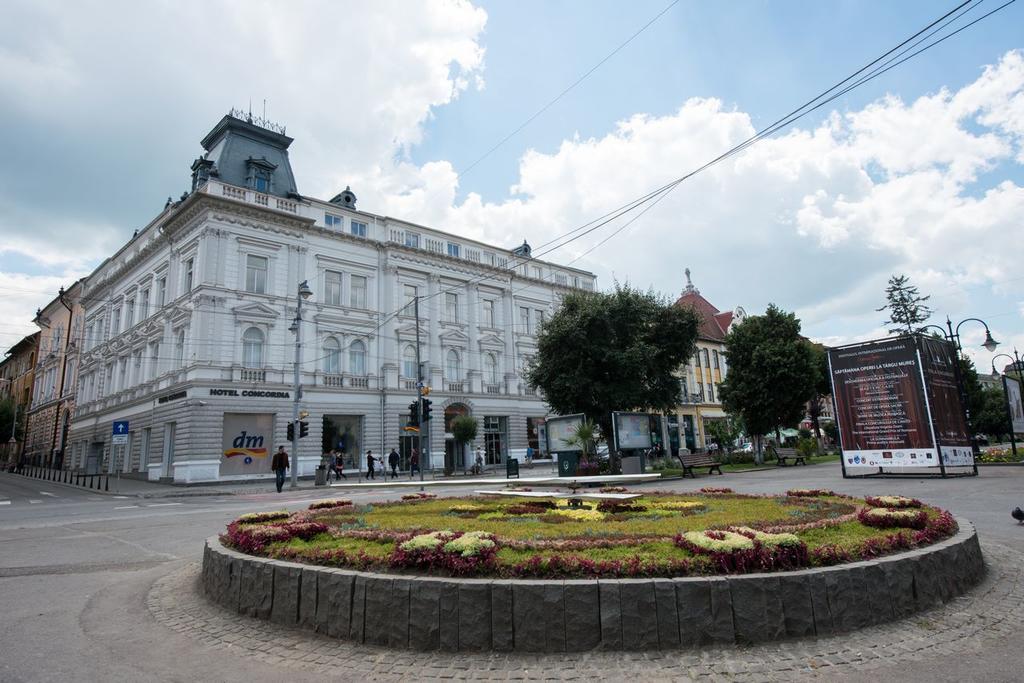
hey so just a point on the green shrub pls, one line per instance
(807, 447)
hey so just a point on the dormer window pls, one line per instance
(260, 174)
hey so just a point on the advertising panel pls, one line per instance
(632, 430)
(559, 429)
(880, 402)
(938, 359)
(246, 443)
(1012, 388)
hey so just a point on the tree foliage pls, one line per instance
(7, 420)
(991, 418)
(907, 309)
(771, 372)
(464, 428)
(619, 350)
(822, 385)
(725, 433)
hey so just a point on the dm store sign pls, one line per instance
(246, 445)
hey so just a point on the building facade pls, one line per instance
(702, 375)
(18, 371)
(55, 381)
(187, 327)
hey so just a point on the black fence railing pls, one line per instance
(96, 481)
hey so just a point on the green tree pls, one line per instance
(603, 352)
(822, 386)
(991, 418)
(725, 432)
(771, 373)
(464, 430)
(973, 391)
(907, 309)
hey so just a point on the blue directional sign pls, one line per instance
(120, 432)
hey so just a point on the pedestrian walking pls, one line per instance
(478, 465)
(529, 456)
(393, 463)
(279, 464)
(339, 467)
(370, 460)
(414, 462)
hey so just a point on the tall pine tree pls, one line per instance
(907, 309)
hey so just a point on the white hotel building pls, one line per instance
(187, 335)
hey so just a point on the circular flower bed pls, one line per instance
(657, 534)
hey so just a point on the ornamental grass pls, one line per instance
(661, 534)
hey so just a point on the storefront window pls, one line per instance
(495, 438)
(344, 433)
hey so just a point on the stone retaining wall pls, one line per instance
(424, 613)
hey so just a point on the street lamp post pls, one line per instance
(1020, 378)
(304, 292)
(952, 335)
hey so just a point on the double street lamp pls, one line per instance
(952, 335)
(1019, 367)
(304, 292)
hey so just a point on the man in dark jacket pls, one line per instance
(279, 464)
(393, 463)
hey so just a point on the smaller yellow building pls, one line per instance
(702, 376)
(17, 370)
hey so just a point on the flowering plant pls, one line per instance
(259, 517)
(885, 517)
(707, 542)
(418, 496)
(254, 538)
(680, 505)
(470, 543)
(456, 552)
(809, 493)
(618, 506)
(579, 514)
(715, 489)
(892, 502)
(329, 503)
(612, 489)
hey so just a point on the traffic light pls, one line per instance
(426, 410)
(291, 431)
(414, 414)
(303, 429)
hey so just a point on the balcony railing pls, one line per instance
(492, 388)
(337, 381)
(456, 387)
(409, 384)
(252, 375)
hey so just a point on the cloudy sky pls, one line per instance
(921, 171)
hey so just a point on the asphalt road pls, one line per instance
(76, 567)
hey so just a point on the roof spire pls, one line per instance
(690, 289)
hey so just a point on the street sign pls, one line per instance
(119, 434)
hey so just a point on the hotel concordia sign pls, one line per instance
(251, 393)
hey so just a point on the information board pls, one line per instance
(881, 411)
(1012, 389)
(246, 443)
(559, 430)
(632, 430)
(938, 359)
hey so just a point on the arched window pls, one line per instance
(332, 356)
(357, 358)
(409, 362)
(453, 368)
(490, 368)
(252, 348)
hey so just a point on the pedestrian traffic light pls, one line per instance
(291, 431)
(426, 410)
(414, 414)
(303, 429)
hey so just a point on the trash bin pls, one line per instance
(568, 462)
(632, 465)
(512, 468)
(321, 476)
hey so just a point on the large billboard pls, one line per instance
(559, 430)
(246, 443)
(938, 365)
(1012, 389)
(880, 405)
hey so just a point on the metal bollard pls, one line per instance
(106, 485)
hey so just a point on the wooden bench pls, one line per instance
(784, 454)
(698, 460)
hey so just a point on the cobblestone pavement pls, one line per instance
(987, 618)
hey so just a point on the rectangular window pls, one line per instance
(488, 313)
(332, 221)
(715, 353)
(684, 387)
(453, 250)
(256, 274)
(190, 265)
(332, 288)
(539, 318)
(409, 296)
(115, 322)
(537, 272)
(154, 360)
(412, 240)
(161, 292)
(711, 393)
(524, 320)
(451, 307)
(129, 314)
(358, 229)
(144, 305)
(358, 294)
